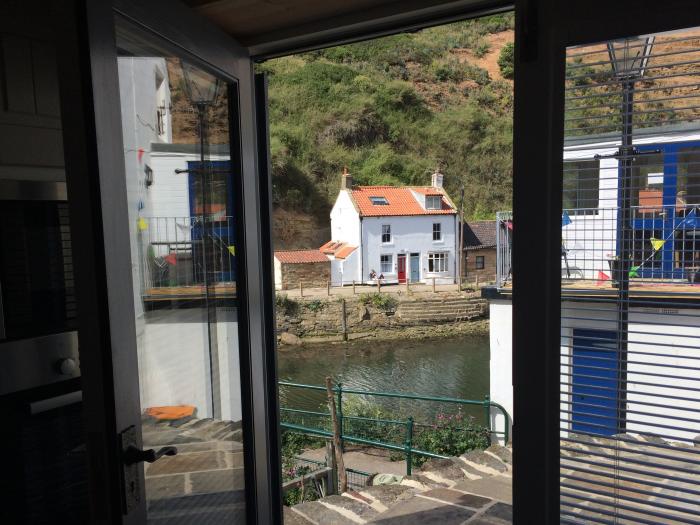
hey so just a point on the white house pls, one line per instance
(627, 358)
(180, 361)
(400, 233)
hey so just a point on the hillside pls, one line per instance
(391, 110)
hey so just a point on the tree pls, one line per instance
(505, 61)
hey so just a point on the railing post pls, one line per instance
(487, 415)
(409, 445)
(340, 414)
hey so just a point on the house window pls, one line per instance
(480, 262)
(386, 233)
(379, 201)
(581, 187)
(385, 264)
(433, 202)
(437, 231)
(437, 262)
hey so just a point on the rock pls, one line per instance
(288, 338)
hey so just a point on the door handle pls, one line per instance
(136, 455)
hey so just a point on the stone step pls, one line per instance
(317, 512)
(499, 488)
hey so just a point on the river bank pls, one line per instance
(380, 317)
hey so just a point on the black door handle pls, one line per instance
(135, 455)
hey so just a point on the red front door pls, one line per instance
(401, 263)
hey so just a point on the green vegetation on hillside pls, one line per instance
(391, 110)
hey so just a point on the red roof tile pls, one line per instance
(338, 249)
(401, 201)
(300, 257)
(479, 235)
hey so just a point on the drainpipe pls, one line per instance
(362, 254)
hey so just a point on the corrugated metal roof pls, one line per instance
(400, 201)
(300, 257)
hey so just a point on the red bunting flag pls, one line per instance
(171, 259)
(602, 277)
(139, 154)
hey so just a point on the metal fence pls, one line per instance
(395, 435)
(504, 244)
(186, 251)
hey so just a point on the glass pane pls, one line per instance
(179, 179)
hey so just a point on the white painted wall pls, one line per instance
(345, 271)
(501, 360)
(345, 220)
(409, 234)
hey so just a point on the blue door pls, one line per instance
(415, 267)
(595, 384)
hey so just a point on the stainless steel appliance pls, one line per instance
(38, 338)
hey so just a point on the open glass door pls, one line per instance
(179, 182)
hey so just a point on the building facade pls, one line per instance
(402, 234)
(479, 248)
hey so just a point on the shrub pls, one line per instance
(506, 60)
(481, 48)
(286, 305)
(315, 305)
(379, 300)
(450, 435)
(292, 445)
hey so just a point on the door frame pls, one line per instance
(97, 191)
(543, 30)
(401, 258)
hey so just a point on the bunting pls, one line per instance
(633, 271)
(602, 277)
(657, 244)
(232, 250)
(565, 219)
(141, 224)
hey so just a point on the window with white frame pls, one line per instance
(385, 264)
(433, 202)
(386, 233)
(480, 262)
(437, 262)
(437, 231)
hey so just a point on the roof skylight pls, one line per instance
(379, 201)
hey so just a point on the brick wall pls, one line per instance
(313, 275)
(488, 274)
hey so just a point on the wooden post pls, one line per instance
(332, 480)
(343, 320)
(353, 286)
(379, 286)
(433, 284)
(342, 476)
(328, 288)
(408, 288)
(301, 288)
(477, 282)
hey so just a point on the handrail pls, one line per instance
(409, 424)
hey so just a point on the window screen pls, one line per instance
(630, 305)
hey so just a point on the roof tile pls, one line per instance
(401, 201)
(300, 257)
(479, 234)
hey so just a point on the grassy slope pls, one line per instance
(391, 110)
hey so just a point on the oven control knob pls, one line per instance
(67, 366)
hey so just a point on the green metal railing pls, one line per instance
(323, 428)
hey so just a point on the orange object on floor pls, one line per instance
(171, 412)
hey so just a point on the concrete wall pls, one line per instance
(501, 362)
(411, 234)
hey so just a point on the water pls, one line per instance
(456, 367)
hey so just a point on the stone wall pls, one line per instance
(325, 317)
(488, 274)
(311, 275)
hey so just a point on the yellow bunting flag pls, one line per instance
(232, 250)
(656, 243)
(142, 224)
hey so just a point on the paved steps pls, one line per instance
(443, 492)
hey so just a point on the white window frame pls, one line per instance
(438, 231)
(389, 262)
(386, 231)
(439, 262)
(430, 202)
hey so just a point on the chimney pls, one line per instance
(346, 180)
(436, 179)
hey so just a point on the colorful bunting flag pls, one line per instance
(565, 219)
(141, 224)
(139, 154)
(633, 271)
(657, 244)
(171, 259)
(602, 277)
(232, 250)
(509, 225)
